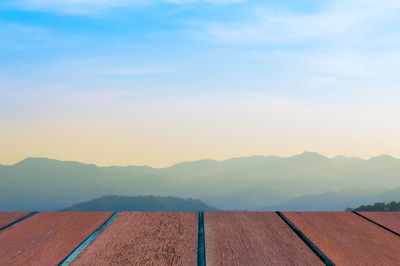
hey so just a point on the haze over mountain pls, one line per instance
(239, 183)
(335, 201)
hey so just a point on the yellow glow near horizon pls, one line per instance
(162, 132)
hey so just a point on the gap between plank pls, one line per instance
(70, 258)
(19, 220)
(376, 223)
(201, 249)
(307, 241)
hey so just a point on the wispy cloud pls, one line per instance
(84, 7)
(339, 44)
(14, 34)
(276, 25)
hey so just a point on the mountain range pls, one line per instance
(301, 182)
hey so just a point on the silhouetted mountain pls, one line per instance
(45, 184)
(141, 203)
(238, 183)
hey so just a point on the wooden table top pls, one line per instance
(175, 238)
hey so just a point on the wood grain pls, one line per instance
(9, 217)
(48, 237)
(348, 239)
(390, 220)
(251, 238)
(144, 238)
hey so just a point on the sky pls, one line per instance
(156, 82)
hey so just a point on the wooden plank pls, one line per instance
(144, 238)
(7, 218)
(390, 220)
(348, 239)
(48, 237)
(253, 238)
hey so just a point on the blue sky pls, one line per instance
(218, 45)
(327, 69)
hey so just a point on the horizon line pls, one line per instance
(207, 159)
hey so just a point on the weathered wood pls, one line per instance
(348, 239)
(48, 237)
(251, 238)
(390, 220)
(143, 238)
(7, 218)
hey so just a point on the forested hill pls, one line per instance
(379, 206)
(141, 203)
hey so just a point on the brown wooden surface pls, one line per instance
(390, 220)
(143, 238)
(8, 217)
(348, 239)
(251, 238)
(47, 238)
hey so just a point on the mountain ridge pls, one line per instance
(307, 154)
(237, 183)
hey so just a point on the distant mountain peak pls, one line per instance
(310, 155)
(29, 160)
(198, 163)
(383, 157)
(43, 162)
